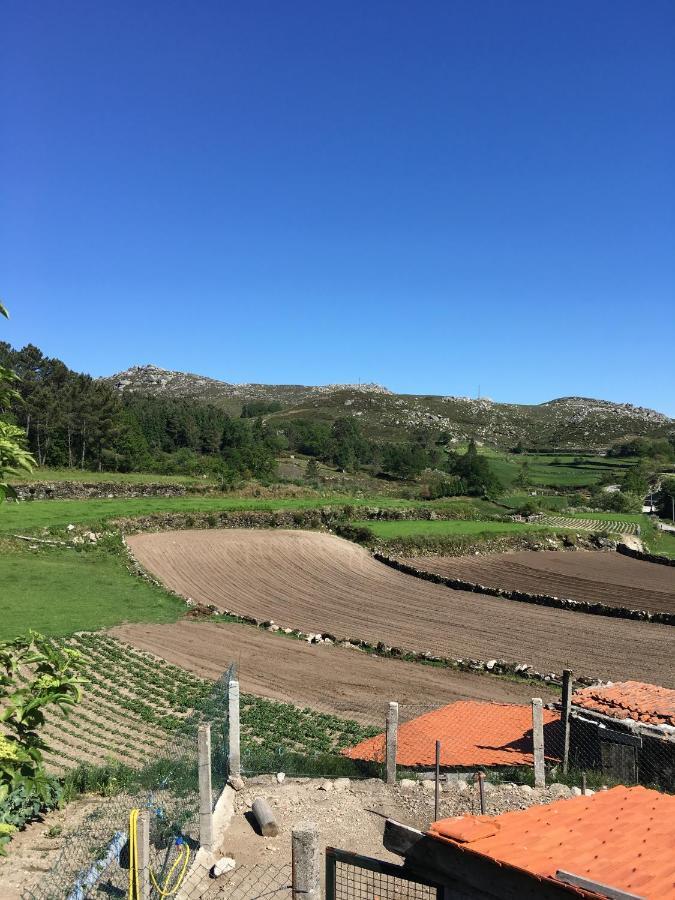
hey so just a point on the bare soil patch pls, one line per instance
(346, 683)
(317, 582)
(351, 814)
(34, 850)
(608, 578)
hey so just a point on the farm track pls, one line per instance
(316, 582)
(328, 679)
(608, 578)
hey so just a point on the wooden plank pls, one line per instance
(605, 890)
(400, 838)
(479, 876)
(620, 737)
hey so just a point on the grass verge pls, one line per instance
(60, 590)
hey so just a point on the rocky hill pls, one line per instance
(568, 422)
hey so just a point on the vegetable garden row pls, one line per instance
(135, 703)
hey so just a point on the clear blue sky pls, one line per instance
(434, 195)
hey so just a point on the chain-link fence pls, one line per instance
(591, 738)
(96, 859)
(303, 742)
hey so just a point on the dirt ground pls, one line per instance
(33, 851)
(330, 679)
(594, 577)
(351, 814)
(317, 582)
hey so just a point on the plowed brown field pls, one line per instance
(316, 582)
(329, 679)
(595, 577)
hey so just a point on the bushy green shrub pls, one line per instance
(34, 675)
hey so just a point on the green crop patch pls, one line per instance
(441, 527)
(136, 705)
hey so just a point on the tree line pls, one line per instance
(74, 421)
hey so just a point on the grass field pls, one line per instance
(662, 542)
(442, 527)
(30, 515)
(61, 590)
(555, 471)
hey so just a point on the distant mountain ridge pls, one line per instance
(562, 422)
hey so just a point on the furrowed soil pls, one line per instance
(335, 680)
(577, 575)
(316, 582)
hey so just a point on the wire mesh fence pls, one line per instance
(350, 876)
(587, 740)
(256, 882)
(303, 742)
(95, 859)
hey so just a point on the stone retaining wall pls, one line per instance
(645, 557)
(598, 609)
(99, 490)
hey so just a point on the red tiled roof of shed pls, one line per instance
(635, 700)
(471, 734)
(623, 838)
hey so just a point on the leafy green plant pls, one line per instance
(34, 675)
(14, 458)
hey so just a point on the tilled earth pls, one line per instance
(608, 577)
(346, 683)
(317, 582)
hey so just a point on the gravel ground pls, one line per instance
(351, 814)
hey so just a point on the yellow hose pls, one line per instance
(134, 881)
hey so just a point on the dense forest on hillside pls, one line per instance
(74, 421)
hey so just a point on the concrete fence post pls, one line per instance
(392, 742)
(143, 845)
(565, 718)
(205, 797)
(306, 860)
(538, 742)
(234, 755)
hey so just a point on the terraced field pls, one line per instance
(134, 704)
(317, 582)
(593, 577)
(601, 526)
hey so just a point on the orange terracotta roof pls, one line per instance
(623, 837)
(471, 734)
(630, 700)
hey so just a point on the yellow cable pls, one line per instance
(184, 857)
(134, 879)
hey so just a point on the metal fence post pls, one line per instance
(143, 845)
(565, 717)
(392, 740)
(205, 798)
(306, 859)
(234, 754)
(538, 742)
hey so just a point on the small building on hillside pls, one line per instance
(472, 734)
(615, 844)
(625, 730)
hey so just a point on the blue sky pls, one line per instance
(434, 195)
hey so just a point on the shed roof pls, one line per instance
(635, 700)
(623, 837)
(471, 734)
